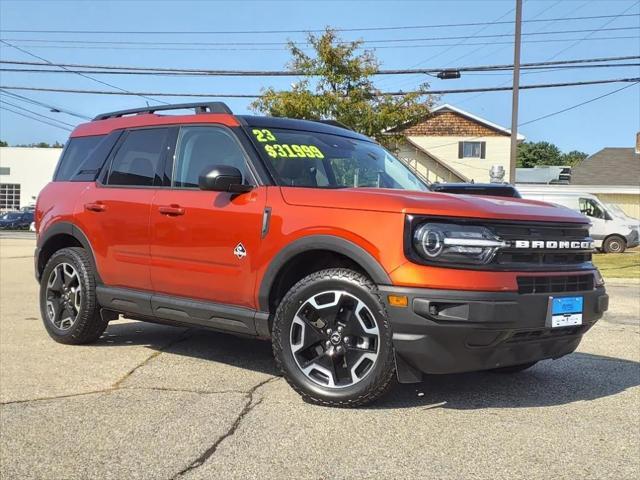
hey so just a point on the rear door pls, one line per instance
(114, 212)
(204, 244)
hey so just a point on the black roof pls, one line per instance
(306, 125)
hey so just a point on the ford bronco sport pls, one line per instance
(313, 236)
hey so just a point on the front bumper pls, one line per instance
(633, 239)
(448, 331)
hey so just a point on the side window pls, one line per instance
(590, 208)
(201, 148)
(139, 158)
(472, 149)
(76, 152)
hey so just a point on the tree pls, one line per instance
(531, 154)
(573, 158)
(3, 143)
(337, 84)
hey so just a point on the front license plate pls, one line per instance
(566, 311)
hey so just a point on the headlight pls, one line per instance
(450, 243)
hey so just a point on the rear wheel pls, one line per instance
(68, 303)
(513, 368)
(332, 340)
(614, 244)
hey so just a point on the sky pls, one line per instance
(609, 122)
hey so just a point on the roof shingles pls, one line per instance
(609, 166)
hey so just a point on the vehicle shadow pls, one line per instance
(576, 377)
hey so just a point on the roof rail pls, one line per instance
(201, 107)
(335, 123)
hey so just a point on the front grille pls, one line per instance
(540, 259)
(556, 284)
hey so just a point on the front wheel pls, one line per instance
(332, 340)
(68, 304)
(614, 244)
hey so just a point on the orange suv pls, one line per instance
(313, 236)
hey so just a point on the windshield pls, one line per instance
(616, 210)
(318, 160)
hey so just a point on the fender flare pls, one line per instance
(64, 228)
(319, 242)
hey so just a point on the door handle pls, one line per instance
(172, 210)
(95, 207)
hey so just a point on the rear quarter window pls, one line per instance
(77, 156)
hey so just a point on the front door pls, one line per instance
(598, 218)
(114, 213)
(205, 244)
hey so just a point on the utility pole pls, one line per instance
(514, 99)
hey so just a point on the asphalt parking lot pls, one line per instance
(155, 402)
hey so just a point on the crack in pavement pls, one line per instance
(185, 336)
(248, 407)
(117, 385)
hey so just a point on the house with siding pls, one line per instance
(612, 174)
(453, 145)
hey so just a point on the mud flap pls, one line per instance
(406, 373)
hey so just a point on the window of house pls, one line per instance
(5, 170)
(9, 196)
(471, 149)
(139, 158)
(199, 149)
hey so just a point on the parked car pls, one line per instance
(312, 236)
(612, 230)
(490, 189)
(19, 220)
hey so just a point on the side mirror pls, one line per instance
(223, 178)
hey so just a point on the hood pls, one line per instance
(430, 203)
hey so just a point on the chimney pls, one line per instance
(638, 143)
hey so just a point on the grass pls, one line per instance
(619, 265)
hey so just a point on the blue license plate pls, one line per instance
(566, 311)
(565, 305)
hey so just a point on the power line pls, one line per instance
(31, 101)
(577, 41)
(77, 73)
(282, 48)
(578, 104)
(380, 94)
(253, 32)
(287, 74)
(601, 29)
(550, 114)
(569, 63)
(2, 101)
(366, 42)
(34, 118)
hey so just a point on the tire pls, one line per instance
(65, 293)
(614, 244)
(513, 368)
(359, 346)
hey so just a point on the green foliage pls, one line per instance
(39, 145)
(338, 85)
(531, 154)
(3, 143)
(574, 157)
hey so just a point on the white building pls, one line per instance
(453, 145)
(24, 171)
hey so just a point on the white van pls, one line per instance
(613, 231)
